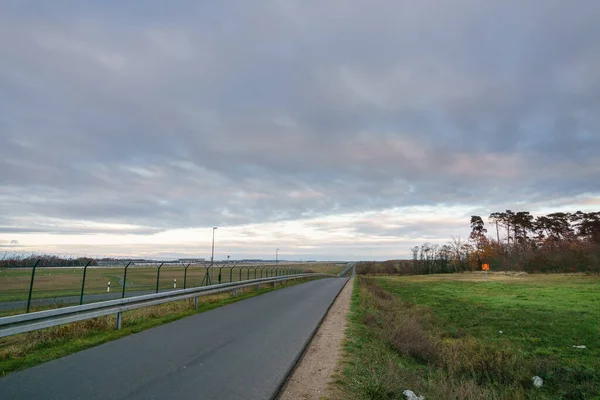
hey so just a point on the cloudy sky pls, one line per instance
(329, 129)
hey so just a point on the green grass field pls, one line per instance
(461, 337)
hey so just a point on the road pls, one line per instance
(239, 351)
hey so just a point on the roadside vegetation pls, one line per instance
(463, 337)
(26, 350)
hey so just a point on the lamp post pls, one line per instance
(212, 255)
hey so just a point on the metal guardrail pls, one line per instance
(22, 323)
(345, 271)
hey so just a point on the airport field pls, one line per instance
(60, 286)
(461, 336)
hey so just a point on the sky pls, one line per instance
(332, 130)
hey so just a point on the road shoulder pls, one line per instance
(312, 377)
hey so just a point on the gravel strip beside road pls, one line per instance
(313, 374)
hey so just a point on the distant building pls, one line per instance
(191, 260)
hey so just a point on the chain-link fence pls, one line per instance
(35, 284)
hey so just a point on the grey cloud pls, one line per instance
(236, 113)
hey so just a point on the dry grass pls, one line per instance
(402, 327)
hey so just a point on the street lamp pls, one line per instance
(277, 256)
(212, 256)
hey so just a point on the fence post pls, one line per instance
(207, 277)
(230, 274)
(83, 282)
(158, 276)
(31, 284)
(220, 269)
(124, 282)
(185, 275)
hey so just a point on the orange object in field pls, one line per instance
(485, 267)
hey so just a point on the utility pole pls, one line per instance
(212, 256)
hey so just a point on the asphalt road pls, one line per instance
(240, 351)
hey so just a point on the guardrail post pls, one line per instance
(196, 302)
(185, 275)
(31, 284)
(119, 320)
(125, 281)
(235, 292)
(275, 284)
(83, 282)
(158, 276)
(259, 287)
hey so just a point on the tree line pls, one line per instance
(519, 241)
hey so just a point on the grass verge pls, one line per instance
(29, 349)
(441, 339)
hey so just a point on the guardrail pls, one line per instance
(22, 323)
(345, 271)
